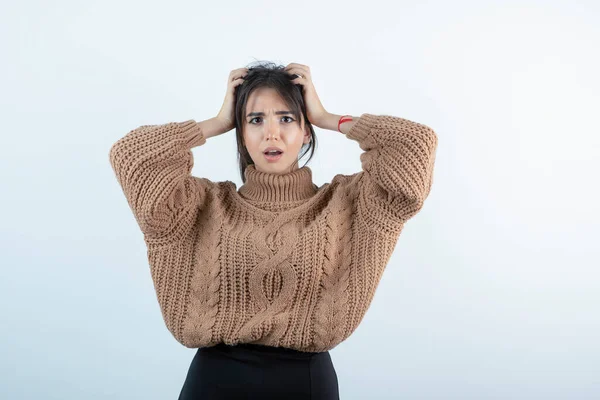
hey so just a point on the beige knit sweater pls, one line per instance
(281, 261)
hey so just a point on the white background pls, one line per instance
(493, 289)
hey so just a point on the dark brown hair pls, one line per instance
(270, 75)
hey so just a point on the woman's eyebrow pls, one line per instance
(260, 114)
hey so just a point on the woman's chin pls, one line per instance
(278, 167)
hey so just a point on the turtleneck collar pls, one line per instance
(267, 187)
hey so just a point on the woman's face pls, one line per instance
(268, 123)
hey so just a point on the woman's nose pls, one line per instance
(272, 130)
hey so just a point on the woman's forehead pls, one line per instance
(266, 96)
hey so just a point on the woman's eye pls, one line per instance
(291, 119)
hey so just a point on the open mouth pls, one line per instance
(273, 155)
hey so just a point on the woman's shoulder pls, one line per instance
(343, 181)
(213, 186)
(339, 192)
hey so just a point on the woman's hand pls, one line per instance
(315, 112)
(226, 115)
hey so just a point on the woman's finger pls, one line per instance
(237, 72)
(235, 83)
(292, 65)
(298, 73)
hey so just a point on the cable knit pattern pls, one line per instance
(279, 261)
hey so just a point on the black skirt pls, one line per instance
(252, 371)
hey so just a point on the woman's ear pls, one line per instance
(307, 136)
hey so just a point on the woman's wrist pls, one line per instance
(212, 127)
(330, 121)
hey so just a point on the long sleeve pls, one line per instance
(153, 165)
(397, 169)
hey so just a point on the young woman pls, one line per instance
(264, 280)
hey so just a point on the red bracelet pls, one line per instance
(342, 120)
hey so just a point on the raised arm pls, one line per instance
(153, 165)
(397, 167)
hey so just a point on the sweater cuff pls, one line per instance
(192, 132)
(362, 127)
